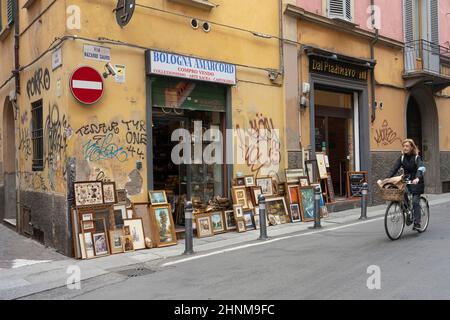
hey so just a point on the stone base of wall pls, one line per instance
(445, 170)
(295, 160)
(382, 163)
(49, 219)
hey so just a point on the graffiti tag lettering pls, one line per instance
(386, 135)
(39, 81)
(25, 142)
(102, 148)
(101, 128)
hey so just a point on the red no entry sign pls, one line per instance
(86, 85)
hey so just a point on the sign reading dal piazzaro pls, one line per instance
(337, 68)
(175, 65)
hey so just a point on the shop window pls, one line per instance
(340, 9)
(37, 136)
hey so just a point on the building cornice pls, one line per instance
(339, 25)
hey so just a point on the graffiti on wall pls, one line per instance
(260, 161)
(56, 132)
(386, 135)
(136, 137)
(25, 142)
(103, 140)
(39, 82)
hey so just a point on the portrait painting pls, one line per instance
(115, 241)
(295, 212)
(127, 242)
(137, 232)
(100, 244)
(109, 192)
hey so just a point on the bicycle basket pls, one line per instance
(392, 194)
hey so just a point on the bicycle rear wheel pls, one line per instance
(425, 214)
(394, 220)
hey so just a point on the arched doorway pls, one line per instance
(9, 164)
(422, 126)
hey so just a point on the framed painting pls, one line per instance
(312, 171)
(303, 181)
(88, 193)
(88, 245)
(281, 190)
(240, 227)
(240, 181)
(239, 195)
(307, 203)
(142, 211)
(136, 231)
(292, 175)
(87, 216)
(109, 192)
(248, 218)
(127, 243)
(204, 225)
(120, 213)
(230, 221)
(238, 211)
(75, 232)
(100, 244)
(249, 181)
(295, 213)
(121, 195)
(88, 226)
(115, 241)
(218, 224)
(164, 228)
(157, 197)
(266, 185)
(293, 193)
(320, 157)
(257, 221)
(276, 206)
(256, 192)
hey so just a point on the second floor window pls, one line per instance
(341, 9)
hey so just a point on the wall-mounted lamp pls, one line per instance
(334, 56)
(304, 103)
(374, 110)
(273, 75)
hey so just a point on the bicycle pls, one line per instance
(400, 213)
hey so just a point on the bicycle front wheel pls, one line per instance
(425, 214)
(394, 220)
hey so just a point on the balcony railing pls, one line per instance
(422, 56)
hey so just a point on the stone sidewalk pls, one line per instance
(30, 268)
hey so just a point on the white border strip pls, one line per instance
(81, 84)
(267, 242)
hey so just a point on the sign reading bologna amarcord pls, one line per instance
(337, 68)
(175, 65)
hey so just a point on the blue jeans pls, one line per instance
(416, 206)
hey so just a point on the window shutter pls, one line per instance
(340, 9)
(434, 21)
(348, 9)
(336, 8)
(409, 20)
(10, 11)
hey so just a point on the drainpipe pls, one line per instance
(372, 57)
(280, 9)
(16, 47)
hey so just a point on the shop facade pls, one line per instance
(126, 136)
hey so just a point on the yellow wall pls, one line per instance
(65, 119)
(443, 106)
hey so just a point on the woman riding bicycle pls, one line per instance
(413, 170)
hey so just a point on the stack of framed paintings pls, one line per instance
(294, 201)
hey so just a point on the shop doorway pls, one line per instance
(9, 214)
(414, 123)
(334, 136)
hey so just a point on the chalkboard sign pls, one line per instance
(355, 181)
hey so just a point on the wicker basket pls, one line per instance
(392, 194)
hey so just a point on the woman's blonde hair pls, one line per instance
(414, 149)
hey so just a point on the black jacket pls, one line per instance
(410, 166)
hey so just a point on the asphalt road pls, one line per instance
(327, 265)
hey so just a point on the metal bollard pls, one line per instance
(262, 218)
(189, 232)
(317, 195)
(365, 191)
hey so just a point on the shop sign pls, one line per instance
(96, 53)
(337, 68)
(174, 65)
